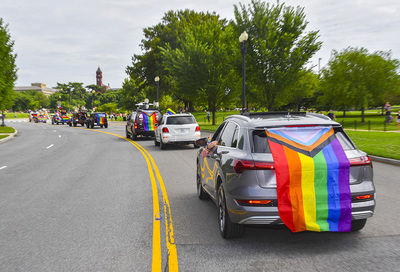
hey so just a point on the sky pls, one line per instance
(66, 41)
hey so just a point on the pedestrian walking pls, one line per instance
(208, 116)
(398, 120)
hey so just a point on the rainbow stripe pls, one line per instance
(170, 112)
(312, 176)
(64, 118)
(101, 119)
(149, 120)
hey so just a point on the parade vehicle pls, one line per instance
(293, 168)
(143, 121)
(78, 118)
(177, 129)
(33, 117)
(97, 119)
(60, 118)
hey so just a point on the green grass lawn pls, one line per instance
(6, 129)
(378, 143)
(382, 144)
(12, 115)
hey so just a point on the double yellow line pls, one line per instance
(169, 231)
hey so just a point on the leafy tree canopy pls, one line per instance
(8, 68)
(278, 48)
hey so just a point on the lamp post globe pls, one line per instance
(242, 39)
(157, 80)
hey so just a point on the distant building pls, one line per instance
(99, 77)
(39, 87)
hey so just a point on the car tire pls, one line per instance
(106, 125)
(91, 125)
(127, 134)
(200, 191)
(228, 230)
(155, 141)
(195, 145)
(357, 225)
(87, 124)
(101, 126)
(134, 136)
(162, 145)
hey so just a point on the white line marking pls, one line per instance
(3, 167)
(50, 146)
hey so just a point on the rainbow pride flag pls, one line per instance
(64, 118)
(100, 118)
(312, 176)
(170, 112)
(149, 120)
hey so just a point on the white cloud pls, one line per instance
(62, 41)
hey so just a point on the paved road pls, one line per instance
(78, 200)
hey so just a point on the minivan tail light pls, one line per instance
(165, 130)
(360, 161)
(242, 165)
(197, 128)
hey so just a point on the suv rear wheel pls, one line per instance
(162, 145)
(227, 229)
(357, 225)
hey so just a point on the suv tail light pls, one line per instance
(165, 130)
(197, 128)
(243, 165)
(135, 125)
(360, 161)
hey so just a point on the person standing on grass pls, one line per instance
(398, 120)
(331, 115)
(388, 113)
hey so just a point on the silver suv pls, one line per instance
(294, 168)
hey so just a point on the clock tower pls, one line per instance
(99, 77)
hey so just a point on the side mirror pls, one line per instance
(201, 142)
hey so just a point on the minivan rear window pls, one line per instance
(260, 141)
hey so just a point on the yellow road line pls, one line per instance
(171, 247)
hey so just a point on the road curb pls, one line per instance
(385, 160)
(9, 137)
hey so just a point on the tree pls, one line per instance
(8, 69)
(277, 49)
(204, 66)
(131, 93)
(354, 78)
(150, 64)
(304, 90)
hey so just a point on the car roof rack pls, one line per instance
(273, 113)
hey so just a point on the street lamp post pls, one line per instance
(242, 39)
(93, 98)
(157, 80)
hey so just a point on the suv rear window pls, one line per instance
(260, 141)
(180, 120)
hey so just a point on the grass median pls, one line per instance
(377, 143)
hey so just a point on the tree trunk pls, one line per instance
(213, 116)
(362, 115)
(344, 113)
